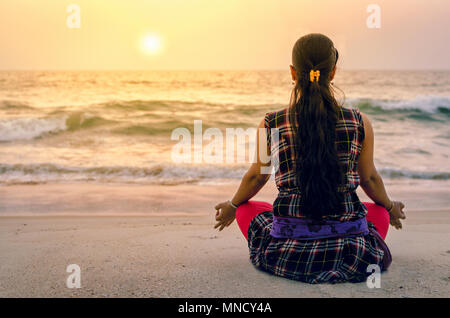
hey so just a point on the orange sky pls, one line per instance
(220, 34)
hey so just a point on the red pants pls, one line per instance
(376, 214)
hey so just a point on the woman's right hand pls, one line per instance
(225, 215)
(396, 214)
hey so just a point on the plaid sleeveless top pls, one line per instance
(339, 259)
(349, 138)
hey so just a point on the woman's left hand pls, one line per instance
(225, 215)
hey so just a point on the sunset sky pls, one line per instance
(219, 34)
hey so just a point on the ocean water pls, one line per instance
(115, 127)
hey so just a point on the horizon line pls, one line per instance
(207, 70)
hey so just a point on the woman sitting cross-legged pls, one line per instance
(317, 229)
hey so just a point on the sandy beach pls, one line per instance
(159, 241)
(124, 123)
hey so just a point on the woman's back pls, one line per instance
(349, 138)
(337, 259)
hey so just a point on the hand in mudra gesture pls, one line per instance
(225, 215)
(396, 214)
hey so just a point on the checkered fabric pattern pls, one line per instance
(322, 260)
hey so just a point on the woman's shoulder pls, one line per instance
(351, 113)
(276, 118)
(353, 119)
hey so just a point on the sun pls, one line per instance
(151, 44)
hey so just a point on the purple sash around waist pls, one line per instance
(301, 229)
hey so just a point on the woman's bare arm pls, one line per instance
(253, 180)
(370, 181)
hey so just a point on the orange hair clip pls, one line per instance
(314, 75)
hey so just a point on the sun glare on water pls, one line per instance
(151, 44)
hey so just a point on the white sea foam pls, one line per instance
(157, 173)
(153, 174)
(428, 104)
(28, 127)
